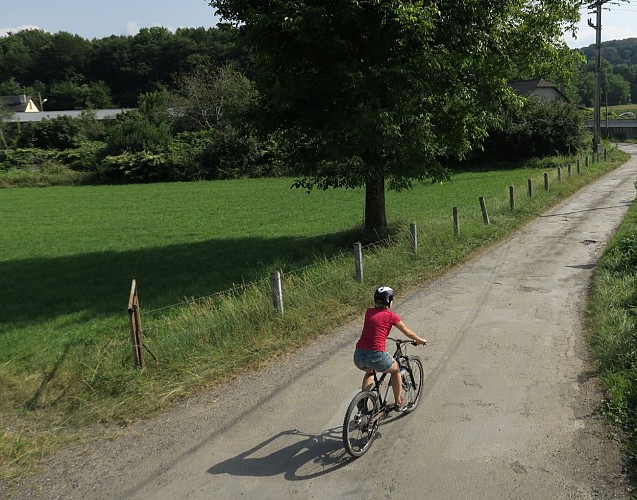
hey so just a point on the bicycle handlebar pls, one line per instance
(402, 341)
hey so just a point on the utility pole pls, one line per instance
(596, 8)
(597, 133)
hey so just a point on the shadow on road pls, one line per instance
(296, 455)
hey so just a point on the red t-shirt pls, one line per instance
(378, 323)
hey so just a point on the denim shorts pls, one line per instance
(379, 361)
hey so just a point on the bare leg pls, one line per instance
(368, 381)
(396, 383)
(397, 387)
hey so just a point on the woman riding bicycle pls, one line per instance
(371, 349)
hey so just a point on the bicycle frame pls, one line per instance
(398, 355)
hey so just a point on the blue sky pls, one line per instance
(101, 18)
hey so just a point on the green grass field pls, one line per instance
(68, 255)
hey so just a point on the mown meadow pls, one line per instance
(201, 253)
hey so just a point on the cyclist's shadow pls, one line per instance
(307, 457)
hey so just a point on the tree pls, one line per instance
(211, 98)
(369, 91)
(618, 90)
(6, 116)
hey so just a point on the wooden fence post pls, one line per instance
(512, 197)
(483, 207)
(530, 185)
(135, 322)
(358, 260)
(578, 166)
(568, 169)
(546, 181)
(277, 291)
(456, 221)
(586, 161)
(559, 174)
(605, 155)
(413, 232)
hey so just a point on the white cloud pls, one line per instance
(132, 28)
(618, 33)
(6, 31)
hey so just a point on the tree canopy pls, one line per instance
(364, 91)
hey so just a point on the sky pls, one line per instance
(101, 18)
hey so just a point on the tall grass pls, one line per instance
(201, 253)
(613, 330)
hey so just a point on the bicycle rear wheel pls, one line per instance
(359, 425)
(412, 384)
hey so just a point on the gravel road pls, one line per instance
(508, 412)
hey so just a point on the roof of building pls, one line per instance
(100, 114)
(17, 103)
(528, 87)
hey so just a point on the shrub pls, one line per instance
(538, 128)
(87, 156)
(134, 132)
(58, 133)
(139, 166)
(25, 158)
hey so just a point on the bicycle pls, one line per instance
(369, 408)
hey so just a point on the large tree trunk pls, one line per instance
(375, 217)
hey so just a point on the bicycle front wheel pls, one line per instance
(361, 423)
(412, 384)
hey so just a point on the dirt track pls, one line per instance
(508, 410)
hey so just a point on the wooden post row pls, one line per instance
(135, 322)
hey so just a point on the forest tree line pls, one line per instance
(74, 73)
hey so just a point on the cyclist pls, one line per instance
(371, 349)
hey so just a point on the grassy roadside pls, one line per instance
(68, 367)
(612, 318)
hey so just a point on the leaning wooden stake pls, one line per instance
(134, 319)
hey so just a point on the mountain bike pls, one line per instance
(369, 408)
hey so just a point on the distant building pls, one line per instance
(538, 87)
(19, 103)
(100, 114)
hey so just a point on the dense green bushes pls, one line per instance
(538, 128)
(156, 144)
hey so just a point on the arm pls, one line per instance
(409, 333)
